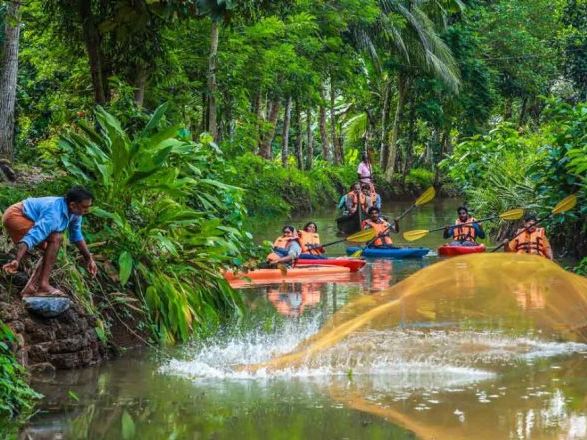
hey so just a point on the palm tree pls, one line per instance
(415, 46)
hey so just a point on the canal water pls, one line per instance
(443, 366)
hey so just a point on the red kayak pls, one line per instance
(453, 251)
(354, 264)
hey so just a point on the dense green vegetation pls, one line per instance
(15, 394)
(184, 117)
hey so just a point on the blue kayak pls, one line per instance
(393, 252)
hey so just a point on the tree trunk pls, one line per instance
(323, 133)
(8, 79)
(140, 82)
(334, 137)
(212, 59)
(267, 138)
(299, 137)
(437, 141)
(92, 41)
(257, 111)
(408, 152)
(507, 109)
(285, 133)
(402, 89)
(204, 121)
(523, 111)
(384, 147)
(310, 140)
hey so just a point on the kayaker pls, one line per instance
(41, 222)
(381, 226)
(371, 196)
(310, 242)
(530, 240)
(356, 198)
(364, 171)
(286, 248)
(465, 230)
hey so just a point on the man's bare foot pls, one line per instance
(29, 290)
(48, 291)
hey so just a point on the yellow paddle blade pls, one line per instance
(426, 196)
(512, 214)
(362, 236)
(416, 234)
(357, 253)
(565, 204)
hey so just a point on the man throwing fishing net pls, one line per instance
(41, 222)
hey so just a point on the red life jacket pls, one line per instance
(380, 227)
(464, 231)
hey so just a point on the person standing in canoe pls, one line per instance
(310, 242)
(286, 248)
(364, 171)
(465, 230)
(41, 222)
(382, 228)
(530, 240)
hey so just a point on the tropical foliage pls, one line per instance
(166, 223)
(536, 169)
(15, 394)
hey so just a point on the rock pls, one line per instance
(42, 368)
(47, 307)
(16, 326)
(8, 312)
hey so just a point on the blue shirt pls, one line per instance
(50, 214)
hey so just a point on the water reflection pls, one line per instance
(293, 299)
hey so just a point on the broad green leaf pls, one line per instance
(125, 262)
(128, 426)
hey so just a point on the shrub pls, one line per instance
(16, 397)
(166, 222)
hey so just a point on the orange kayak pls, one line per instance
(276, 275)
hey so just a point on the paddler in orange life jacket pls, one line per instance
(382, 228)
(356, 198)
(310, 242)
(371, 196)
(532, 240)
(465, 230)
(286, 248)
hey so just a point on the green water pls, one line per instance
(198, 391)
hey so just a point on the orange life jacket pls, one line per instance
(280, 242)
(464, 231)
(534, 243)
(361, 199)
(380, 228)
(371, 199)
(309, 242)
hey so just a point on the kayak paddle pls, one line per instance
(426, 197)
(512, 214)
(564, 205)
(358, 237)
